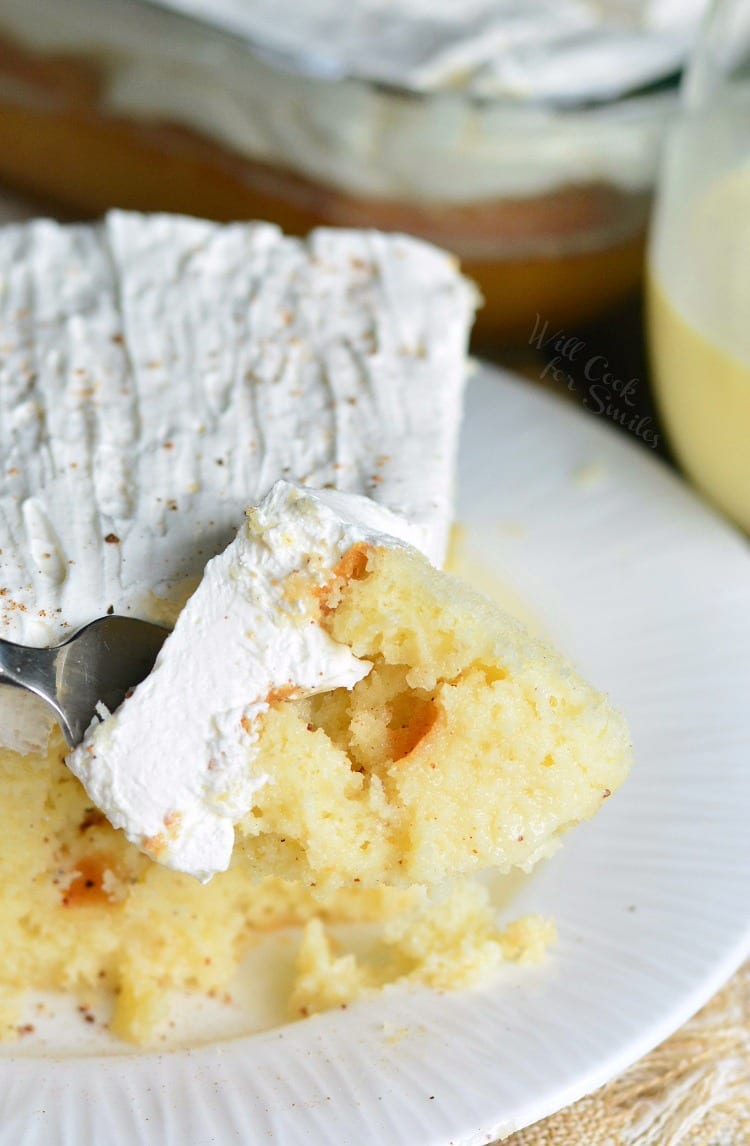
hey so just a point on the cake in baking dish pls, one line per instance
(523, 135)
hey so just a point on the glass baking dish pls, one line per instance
(125, 103)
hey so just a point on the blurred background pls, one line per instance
(527, 136)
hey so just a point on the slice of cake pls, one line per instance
(367, 718)
(345, 721)
(159, 373)
(174, 765)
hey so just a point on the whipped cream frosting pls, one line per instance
(158, 374)
(496, 85)
(560, 49)
(173, 767)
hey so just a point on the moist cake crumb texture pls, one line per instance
(469, 745)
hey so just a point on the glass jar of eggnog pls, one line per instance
(699, 268)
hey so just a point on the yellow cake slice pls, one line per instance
(352, 714)
(469, 744)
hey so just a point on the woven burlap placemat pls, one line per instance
(693, 1090)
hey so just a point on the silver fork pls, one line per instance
(97, 665)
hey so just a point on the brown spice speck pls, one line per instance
(172, 822)
(112, 539)
(283, 692)
(154, 846)
(92, 818)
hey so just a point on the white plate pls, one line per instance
(651, 594)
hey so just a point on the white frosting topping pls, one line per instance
(173, 766)
(559, 49)
(491, 67)
(158, 374)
